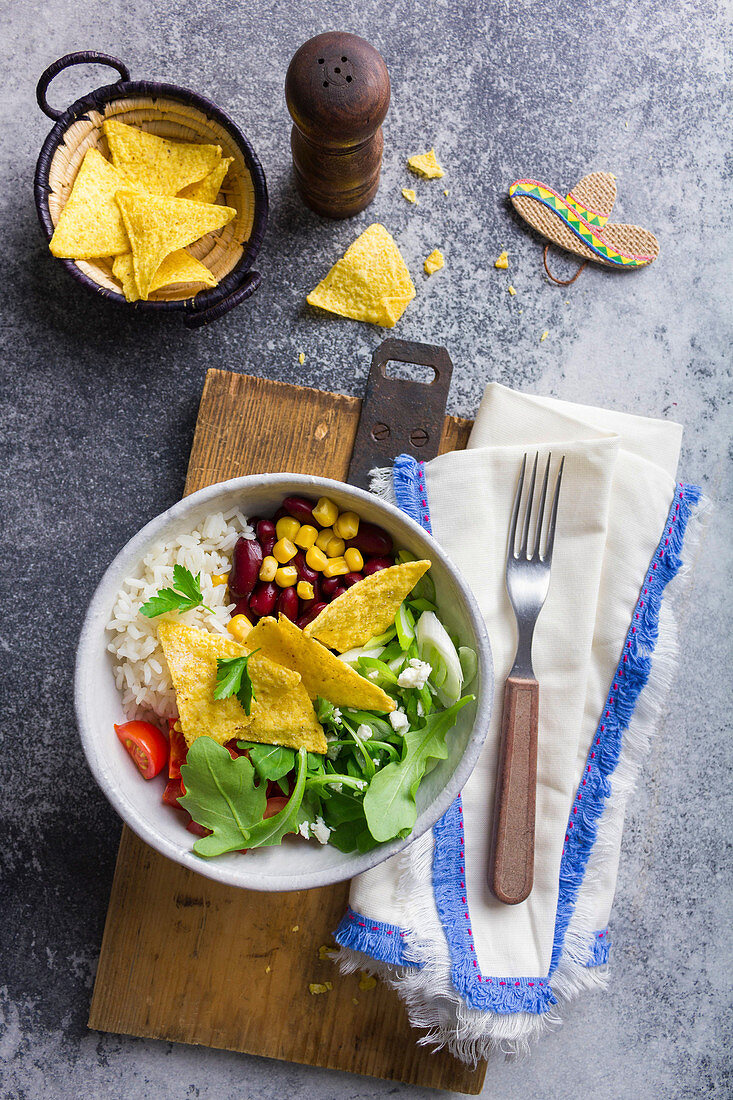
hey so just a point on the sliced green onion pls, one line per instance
(435, 647)
(373, 664)
(469, 664)
(404, 625)
(421, 604)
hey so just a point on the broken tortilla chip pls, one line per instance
(367, 608)
(322, 673)
(369, 283)
(281, 712)
(426, 165)
(153, 163)
(209, 187)
(90, 224)
(157, 226)
(434, 262)
(179, 267)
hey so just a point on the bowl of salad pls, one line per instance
(282, 681)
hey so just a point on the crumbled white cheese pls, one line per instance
(363, 731)
(399, 721)
(336, 716)
(420, 709)
(304, 829)
(334, 748)
(320, 831)
(415, 675)
(373, 674)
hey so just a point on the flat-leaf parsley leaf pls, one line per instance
(185, 596)
(232, 678)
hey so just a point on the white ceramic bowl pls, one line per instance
(294, 865)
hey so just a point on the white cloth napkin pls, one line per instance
(473, 972)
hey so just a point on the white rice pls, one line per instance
(140, 668)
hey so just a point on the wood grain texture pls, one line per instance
(187, 960)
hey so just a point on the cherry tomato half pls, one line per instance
(146, 745)
(177, 753)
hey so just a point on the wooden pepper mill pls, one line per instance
(337, 91)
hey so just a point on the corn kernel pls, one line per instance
(354, 560)
(284, 550)
(316, 559)
(325, 512)
(335, 548)
(324, 537)
(305, 590)
(347, 525)
(306, 537)
(335, 567)
(219, 578)
(287, 528)
(286, 576)
(239, 627)
(268, 569)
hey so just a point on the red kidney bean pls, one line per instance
(288, 604)
(372, 540)
(266, 535)
(301, 509)
(279, 514)
(339, 591)
(263, 599)
(242, 607)
(246, 562)
(310, 615)
(305, 573)
(375, 564)
(329, 586)
(350, 579)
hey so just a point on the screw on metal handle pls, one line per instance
(80, 57)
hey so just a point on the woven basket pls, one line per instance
(180, 115)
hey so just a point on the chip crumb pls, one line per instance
(301, 358)
(295, 928)
(446, 192)
(544, 335)
(354, 1000)
(511, 290)
(434, 262)
(326, 952)
(503, 261)
(367, 981)
(567, 301)
(409, 194)
(268, 968)
(320, 987)
(426, 165)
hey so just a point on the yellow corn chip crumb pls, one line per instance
(511, 290)
(295, 928)
(320, 987)
(367, 981)
(301, 358)
(326, 952)
(503, 262)
(369, 283)
(409, 194)
(426, 165)
(544, 335)
(446, 192)
(268, 969)
(354, 1001)
(434, 262)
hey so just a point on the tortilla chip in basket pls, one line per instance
(281, 712)
(90, 224)
(157, 226)
(369, 283)
(367, 608)
(153, 163)
(179, 267)
(321, 671)
(208, 188)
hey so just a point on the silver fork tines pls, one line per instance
(528, 570)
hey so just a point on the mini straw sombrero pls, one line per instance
(579, 222)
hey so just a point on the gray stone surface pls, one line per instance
(98, 413)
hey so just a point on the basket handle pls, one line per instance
(80, 57)
(246, 289)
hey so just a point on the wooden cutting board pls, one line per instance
(188, 960)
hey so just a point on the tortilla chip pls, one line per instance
(281, 712)
(321, 672)
(426, 165)
(91, 225)
(157, 226)
(179, 267)
(208, 188)
(155, 164)
(434, 262)
(367, 608)
(369, 283)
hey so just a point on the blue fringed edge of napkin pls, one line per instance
(503, 995)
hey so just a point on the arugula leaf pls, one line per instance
(272, 829)
(221, 795)
(232, 678)
(185, 596)
(389, 803)
(270, 761)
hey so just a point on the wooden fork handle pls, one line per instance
(511, 865)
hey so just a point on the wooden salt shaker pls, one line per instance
(337, 91)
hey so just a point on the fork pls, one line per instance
(511, 865)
